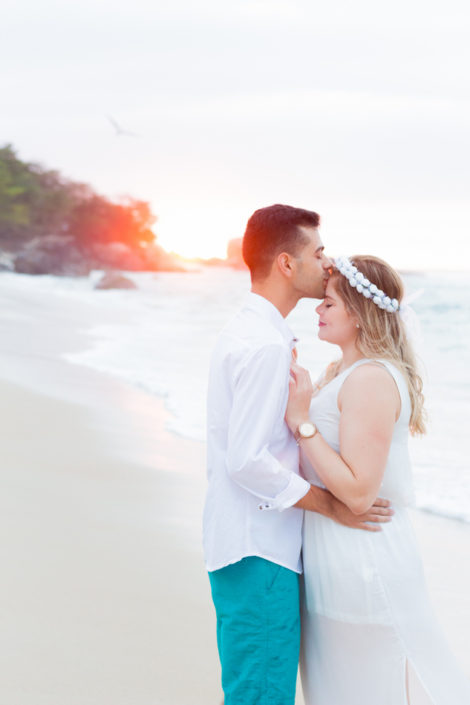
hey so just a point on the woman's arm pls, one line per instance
(369, 403)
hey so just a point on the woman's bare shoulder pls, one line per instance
(370, 380)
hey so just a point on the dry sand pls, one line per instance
(104, 596)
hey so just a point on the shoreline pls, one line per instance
(105, 597)
(159, 339)
(107, 600)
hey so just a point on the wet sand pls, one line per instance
(104, 596)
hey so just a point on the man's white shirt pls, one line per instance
(252, 458)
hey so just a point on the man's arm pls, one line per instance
(259, 402)
(323, 502)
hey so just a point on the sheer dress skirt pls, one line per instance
(369, 634)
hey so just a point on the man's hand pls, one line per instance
(379, 513)
(323, 502)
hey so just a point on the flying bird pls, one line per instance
(120, 132)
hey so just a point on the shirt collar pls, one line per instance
(258, 303)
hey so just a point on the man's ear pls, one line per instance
(284, 262)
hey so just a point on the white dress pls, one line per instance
(367, 624)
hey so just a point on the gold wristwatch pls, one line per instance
(307, 429)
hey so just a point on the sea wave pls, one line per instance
(168, 328)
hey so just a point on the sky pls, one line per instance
(357, 110)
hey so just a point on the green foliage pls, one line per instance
(15, 183)
(36, 202)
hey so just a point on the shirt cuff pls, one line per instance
(295, 490)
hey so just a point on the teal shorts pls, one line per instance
(258, 631)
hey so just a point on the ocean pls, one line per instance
(160, 336)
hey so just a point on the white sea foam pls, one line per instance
(162, 339)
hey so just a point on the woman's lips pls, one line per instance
(320, 323)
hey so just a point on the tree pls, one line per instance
(36, 202)
(16, 183)
(96, 220)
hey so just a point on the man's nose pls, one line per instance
(327, 262)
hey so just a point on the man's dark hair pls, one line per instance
(273, 230)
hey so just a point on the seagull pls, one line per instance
(119, 130)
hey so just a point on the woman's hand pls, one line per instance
(300, 396)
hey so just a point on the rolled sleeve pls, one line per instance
(295, 490)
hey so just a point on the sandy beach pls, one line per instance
(104, 596)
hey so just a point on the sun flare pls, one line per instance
(192, 236)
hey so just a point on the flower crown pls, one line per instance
(364, 286)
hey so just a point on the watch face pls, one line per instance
(306, 429)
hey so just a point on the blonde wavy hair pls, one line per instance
(381, 335)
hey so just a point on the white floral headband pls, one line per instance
(364, 286)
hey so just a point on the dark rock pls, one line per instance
(115, 280)
(117, 255)
(60, 255)
(52, 254)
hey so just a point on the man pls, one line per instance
(253, 512)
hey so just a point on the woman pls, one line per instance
(369, 636)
